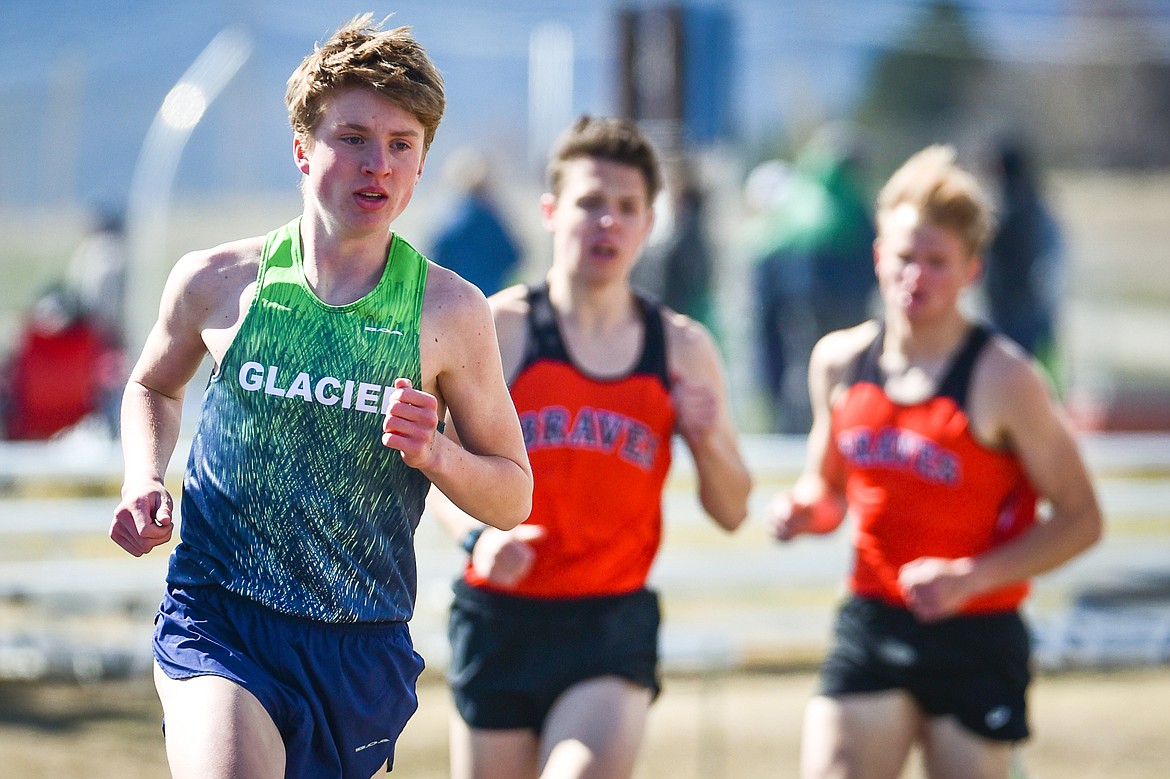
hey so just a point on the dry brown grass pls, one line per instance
(1089, 725)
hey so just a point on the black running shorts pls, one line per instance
(512, 657)
(975, 668)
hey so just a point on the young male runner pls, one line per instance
(937, 435)
(554, 635)
(281, 644)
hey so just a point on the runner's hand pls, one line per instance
(935, 588)
(142, 520)
(504, 557)
(789, 517)
(411, 423)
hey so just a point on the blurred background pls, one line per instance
(164, 125)
(136, 131)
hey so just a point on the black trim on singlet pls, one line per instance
(545, 340)
(956, 380)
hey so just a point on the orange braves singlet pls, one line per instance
(600, 452)
(920, 484)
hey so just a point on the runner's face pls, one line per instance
(363, 161)
(600, 220)
(921, 268)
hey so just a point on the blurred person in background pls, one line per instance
(554, 634)
(97, 274)
(685, 257)
(814, 268)
(783, 317)
(63, 371)
(68, 367)
(1022, 280)
(282, 646)
(938, 436)
(475, 241)
(842, 230)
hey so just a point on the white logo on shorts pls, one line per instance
(373, 744)
(998, 717)
(897, 653)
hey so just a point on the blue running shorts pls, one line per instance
(339, 694)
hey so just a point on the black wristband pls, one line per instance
(467, 543)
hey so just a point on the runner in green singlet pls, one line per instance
(281, 645)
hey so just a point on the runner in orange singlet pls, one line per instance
(937, 436)
(553, 631)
